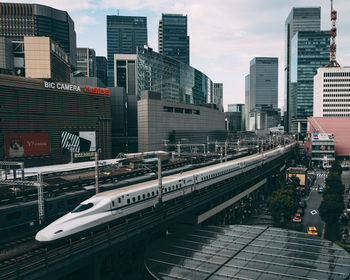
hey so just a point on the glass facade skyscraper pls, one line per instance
(176, 81)
(309, 51)
(86, 62)
(299, 19)
(263, 91)
(263, 82)
(172, 37)
(124, 35)
(101, 69)
(18, 20)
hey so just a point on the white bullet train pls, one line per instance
(108, 206)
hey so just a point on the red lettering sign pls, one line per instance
(97, 90)
(26, 144)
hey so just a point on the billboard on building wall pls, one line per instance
(83, 141)
(322, 136)
(26, 144)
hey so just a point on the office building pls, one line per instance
(86, 62)
(233, 121)
(310, 51)
(246, 99)
(6, 56)
(262, 92)
(125, 72)
(41, 121)
(235, 107)
(101, 69)
(44, 59)
(18, 20)
(172, 37)
(124, 35)
(299, 19)
(160, 121)
(218, 93)
(332, 92)
(175, 81)
(124, 121)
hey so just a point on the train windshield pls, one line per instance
(82, 207)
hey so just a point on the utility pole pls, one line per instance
(96, 171)
(160, 189)
(41, 204)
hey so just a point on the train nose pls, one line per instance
(43, 236)
(47, 235)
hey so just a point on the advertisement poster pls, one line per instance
(83, 141)
(26, 144)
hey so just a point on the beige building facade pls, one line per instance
(44, 59)
(157, 119)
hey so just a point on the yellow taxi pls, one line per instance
(312, 231)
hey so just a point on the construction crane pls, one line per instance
(333, 46)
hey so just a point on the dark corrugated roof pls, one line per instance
(245, 252)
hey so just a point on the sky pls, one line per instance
(224, 34)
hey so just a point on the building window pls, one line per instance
(179, 110)
(168, 109)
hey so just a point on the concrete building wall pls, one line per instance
(44, 59)
(157, 118)
(332, 92)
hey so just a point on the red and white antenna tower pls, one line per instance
(333, 48)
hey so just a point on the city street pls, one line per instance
(311, 216)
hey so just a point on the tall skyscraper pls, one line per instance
(86, 62)
(263, 87)
(218, 94)
(124, 35)
(299, 19)
(263, 82)
(101, 69)
(309, 51)
(172, 37)
(19, 20)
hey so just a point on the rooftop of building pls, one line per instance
(245, 252)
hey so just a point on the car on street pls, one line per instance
(297, 218)
(320, 190)
(302, 203)
(312, 231)
(300, 211)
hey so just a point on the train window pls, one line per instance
(152, 193)
(133, 199)
(143, 196)
(148, 195)
(172, 187)
(82, 207)
(166, 189)
(138, 197)
(128, 200)
(177, 186)
(119, 200)
(113, 203)
(157, 192)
